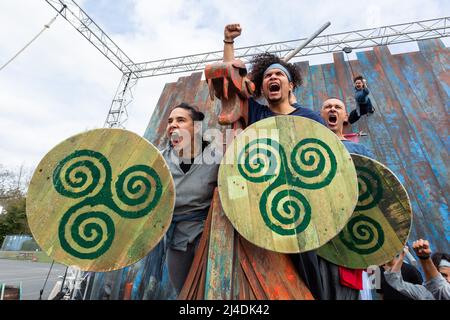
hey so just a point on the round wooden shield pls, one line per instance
(380, 225)
(100, 200)
(287, 184)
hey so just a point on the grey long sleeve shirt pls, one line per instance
(194, 190)
(413, 291)
(435, 289)
(439, 287)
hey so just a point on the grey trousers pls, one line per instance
(179, 264)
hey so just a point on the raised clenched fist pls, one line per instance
(422, 248)
(232, 31)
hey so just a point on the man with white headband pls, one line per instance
(434, 272)
(274, 79)
(436, 268)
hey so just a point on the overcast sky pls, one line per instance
(62, 85)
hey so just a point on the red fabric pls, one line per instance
(354, 137)
(351, 278)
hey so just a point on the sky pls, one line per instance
(62, 85)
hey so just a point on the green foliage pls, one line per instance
(13, 186)
(14, 220)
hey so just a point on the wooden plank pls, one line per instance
(100, 200)
(397, 141)
(380, 225)
(438, 57)
(318, 86)
(304, 93)
(429, 94)
(421, 127)
(277, 283)
(155, 130)
(278, 181)
(250, 275)
(412, 144)
(330, 78)
(220, 255)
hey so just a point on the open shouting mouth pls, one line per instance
(274, 87)
(175, 138)
(332, 119)
(274, 91)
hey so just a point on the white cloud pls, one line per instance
(61, 85)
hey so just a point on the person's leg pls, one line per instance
(179, 264)
(353, 116)
(307, 265)
(370, 107)
(363, 108)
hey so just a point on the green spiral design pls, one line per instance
(362, 235)
(288, 213)
(370, 189)
(87, 173)
(93, 231)
(75, 170)
(314, 155)
(260, 160)
(136, 186)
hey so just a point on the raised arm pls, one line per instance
(231, 32)
(435, 282)
(423, 252)
(395, 280)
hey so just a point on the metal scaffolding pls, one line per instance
(359, 39)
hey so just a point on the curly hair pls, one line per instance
(262, 61)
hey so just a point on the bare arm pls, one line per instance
(422, 249)
(231, 32)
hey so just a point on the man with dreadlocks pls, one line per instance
(275, 80)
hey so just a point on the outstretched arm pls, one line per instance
(423, 252)
(231, 32)
(395, 280)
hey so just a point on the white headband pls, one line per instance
(444, 263)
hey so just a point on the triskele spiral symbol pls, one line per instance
(362, 235)
(370, 189)
(284, 209)
(86, 230)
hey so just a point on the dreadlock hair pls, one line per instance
(262, 61)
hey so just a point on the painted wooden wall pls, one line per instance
(409, 131)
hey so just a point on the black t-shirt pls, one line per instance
(258, 112)
(185, 167)
(409, 274)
